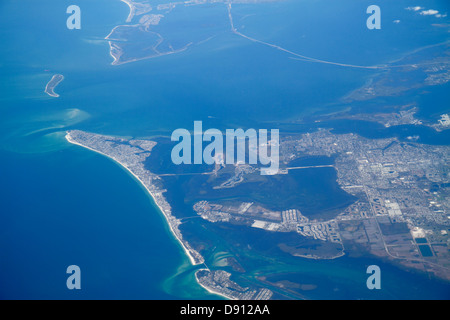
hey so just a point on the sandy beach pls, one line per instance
(209, 289)
(186, 250)
(132, 9)
(52, 84)
(166, 215)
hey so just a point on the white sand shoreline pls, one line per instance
(186, 250)
(131, 14)
(51, 90)
(209, 289)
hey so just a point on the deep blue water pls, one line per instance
(73, 207)
(62, 205)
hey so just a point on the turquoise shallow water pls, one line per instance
(62, 205)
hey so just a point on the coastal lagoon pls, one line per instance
(63, 205)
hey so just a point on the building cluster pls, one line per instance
(219, 281)
(285, 221)
(400, 186)
(132, 156)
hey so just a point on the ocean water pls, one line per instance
(72, 207)
(62, 205)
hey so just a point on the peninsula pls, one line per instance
(131, 156)
(391, 203)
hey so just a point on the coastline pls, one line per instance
(177, 235)
(132, 10)
(111, 45)
(52, 84)
(116, 51)
(179, 239)
(209, 289)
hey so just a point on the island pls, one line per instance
(51, 85)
